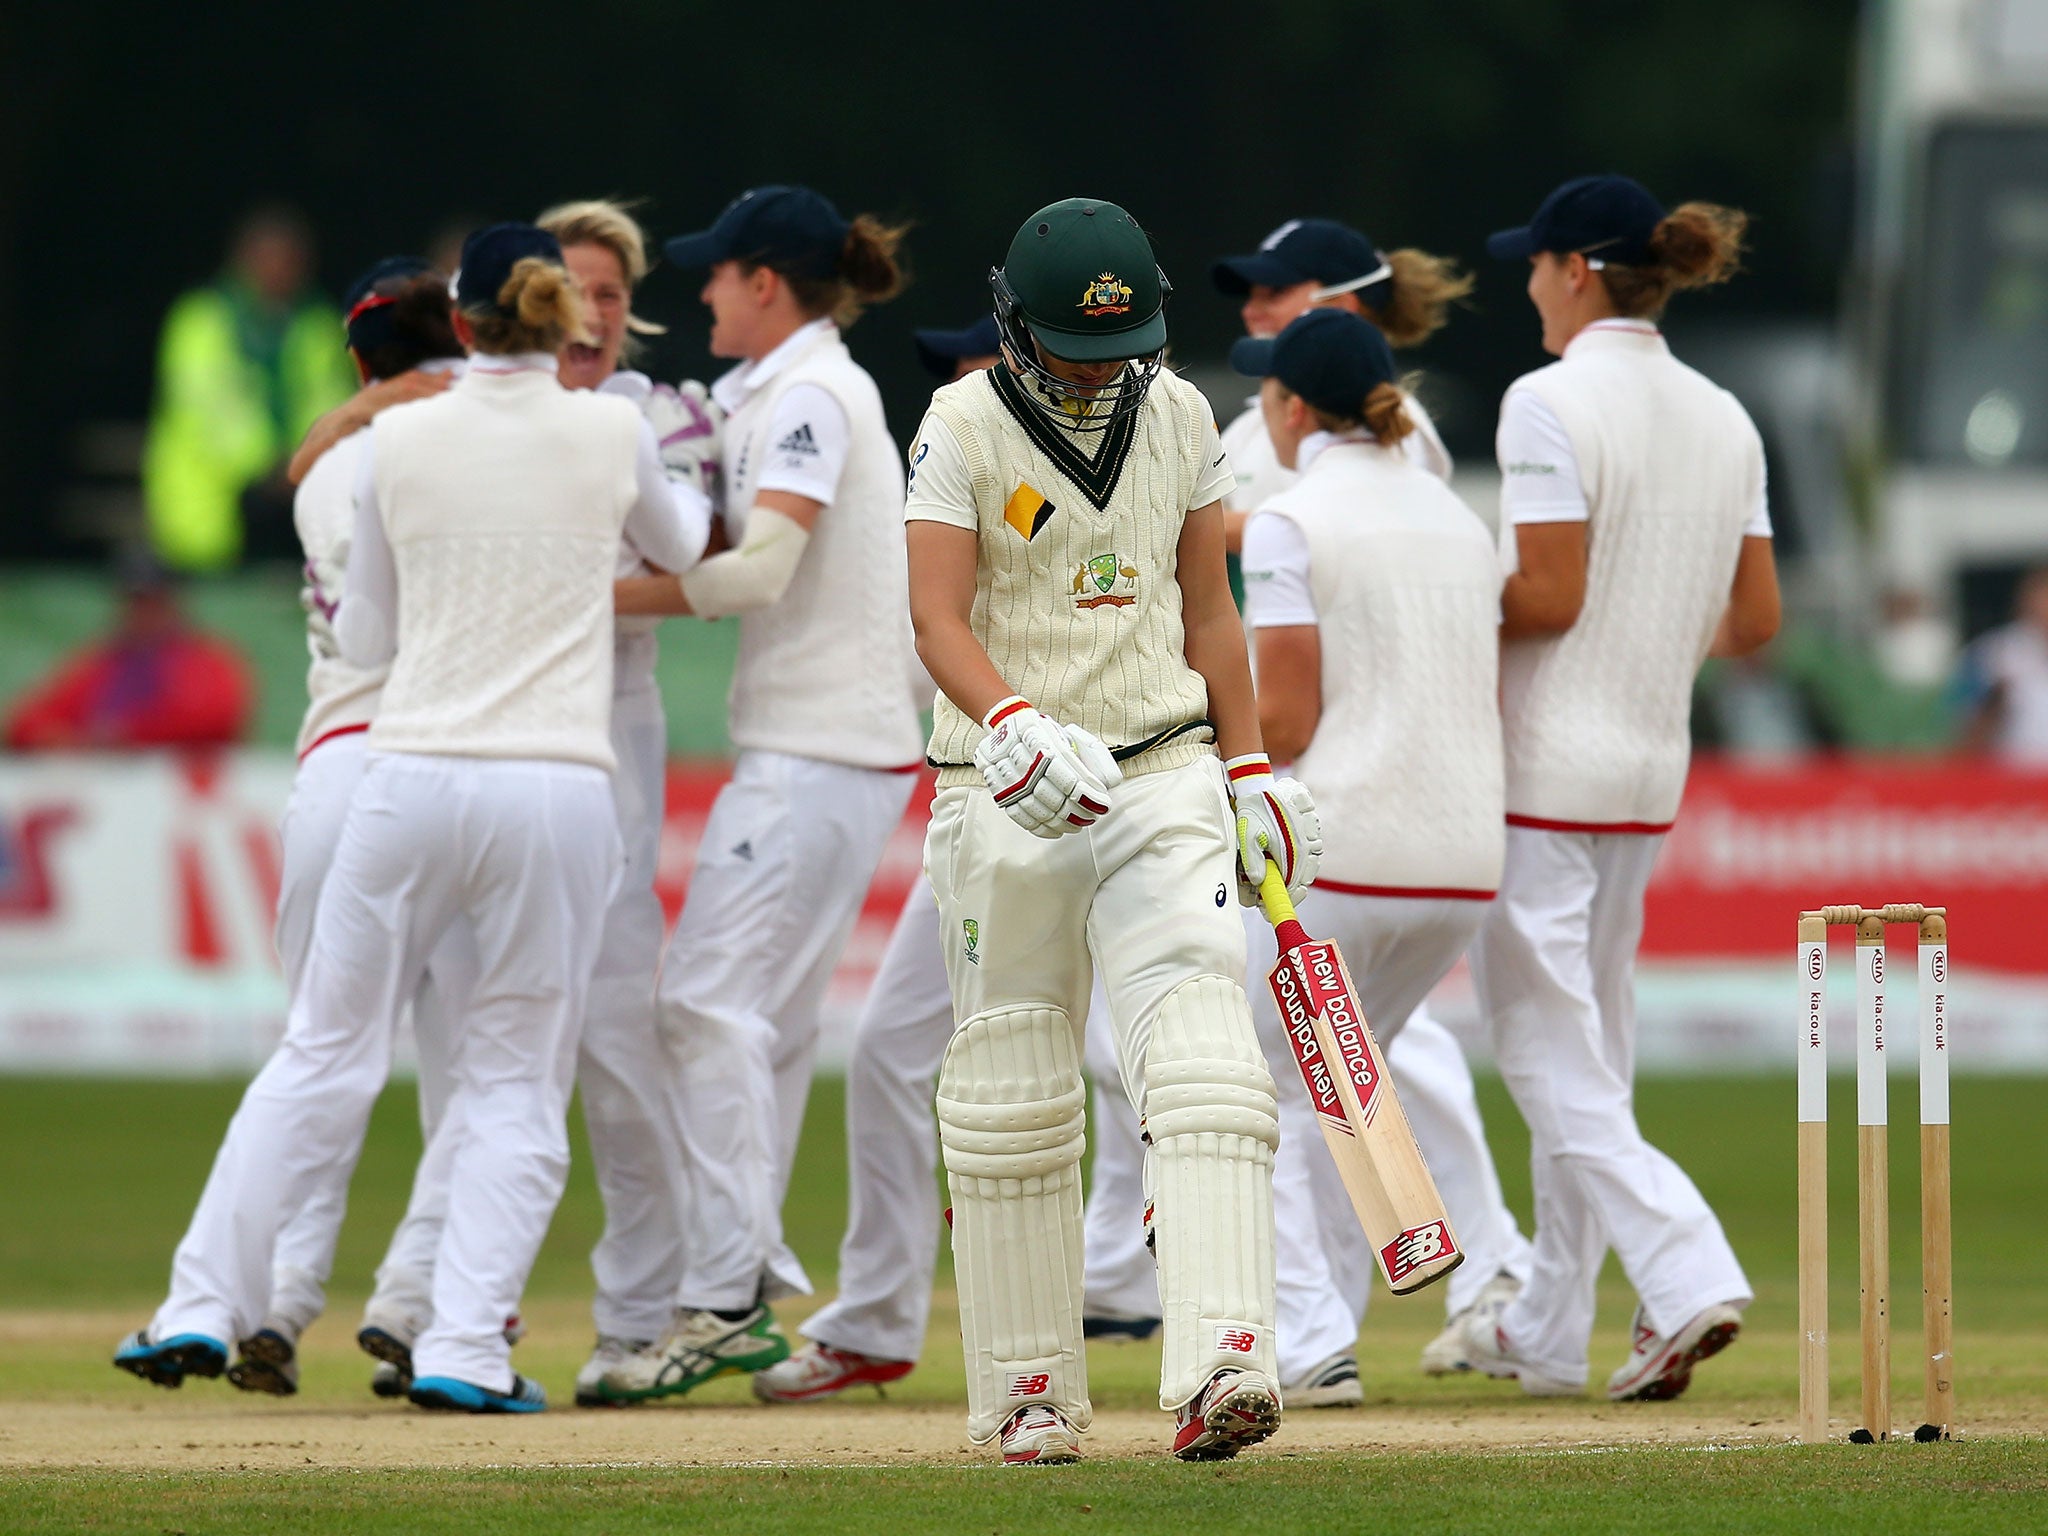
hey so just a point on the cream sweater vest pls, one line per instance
(1597, 718)
(339, 697)
(503, 500)
(1077, 606)
(824, 672)
(1405, 764)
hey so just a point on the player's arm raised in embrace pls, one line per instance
(753, 574)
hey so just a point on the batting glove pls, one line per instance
(1050, 779)
(689, 429)
(1276, 819)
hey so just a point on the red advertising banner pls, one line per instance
(1755, 845)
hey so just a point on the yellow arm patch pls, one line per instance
(1027, 511)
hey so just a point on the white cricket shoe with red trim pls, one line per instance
(1659, 1366)
(1236, 1409)
(1038, 1435)
(819, 1371)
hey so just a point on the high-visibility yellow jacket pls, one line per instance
(214, 424)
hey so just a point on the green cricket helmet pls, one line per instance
(1081, 281)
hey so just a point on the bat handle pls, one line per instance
(1274, 898)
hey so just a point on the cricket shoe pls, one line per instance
(1333, 1384)
(269, 1362)
(611, 1350)
(448, 1394)
(819, 1371)
(389, 1340)
(1446, 1354)
(169, 1363)
(1119, 1330)
(1490, 1351)
(1659, 1366)
(698, 1346)
(1038, 1435)
(389, 1380)
(1236, 1409)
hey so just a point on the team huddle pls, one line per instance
(1486, 742)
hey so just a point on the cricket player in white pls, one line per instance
(1070, 599)
(1637, 542)
(1406, 294)
(825, 720)
(623, 1070)
(397, 322)
(487, 529)
(1373, 594)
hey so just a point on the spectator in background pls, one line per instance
(244, 365)
(2003, 681)
(155, 682)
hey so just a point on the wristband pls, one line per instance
(1003, 709)
(1245, 772)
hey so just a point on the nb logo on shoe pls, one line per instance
(1240, 1341)
(1036, 1384)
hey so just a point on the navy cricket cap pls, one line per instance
(941, 351)
(1330, 357)
(791, 229)
(1609, 217)
(488, 257)
(366, 313)
(1321, 251)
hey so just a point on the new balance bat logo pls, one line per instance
(1392, 1193)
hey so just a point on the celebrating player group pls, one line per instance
(1486, 744)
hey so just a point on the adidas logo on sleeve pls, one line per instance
(799, 441)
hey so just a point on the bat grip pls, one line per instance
(1274, 898)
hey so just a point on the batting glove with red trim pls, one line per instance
(1050, 779)
(1276, 819)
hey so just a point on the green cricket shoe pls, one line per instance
(698, 1346)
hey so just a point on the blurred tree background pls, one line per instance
(132, 134)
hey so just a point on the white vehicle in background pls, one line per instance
(1946, 336)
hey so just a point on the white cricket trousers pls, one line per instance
(1397, 948)
(1554, 965)
(322, 788)
(623, 1071)
(890, 1249)
(529, 852)
(786, 859)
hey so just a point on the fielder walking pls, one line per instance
(1070, 598)
(1307, 265)
(1637, 541)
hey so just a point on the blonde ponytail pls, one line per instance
(539, 308)
(1419, 294)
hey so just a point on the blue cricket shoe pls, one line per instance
(169, 1363)
(445, 1392)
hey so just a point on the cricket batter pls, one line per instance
(1070, 598)
(1637, 542)
(873, 1331)
(1406, 294)
(825, 720)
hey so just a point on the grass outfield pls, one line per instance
(100, 1178)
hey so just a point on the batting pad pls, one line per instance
(1215, 1123)
(1011, 1122)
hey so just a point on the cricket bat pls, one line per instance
(1363, 1124)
